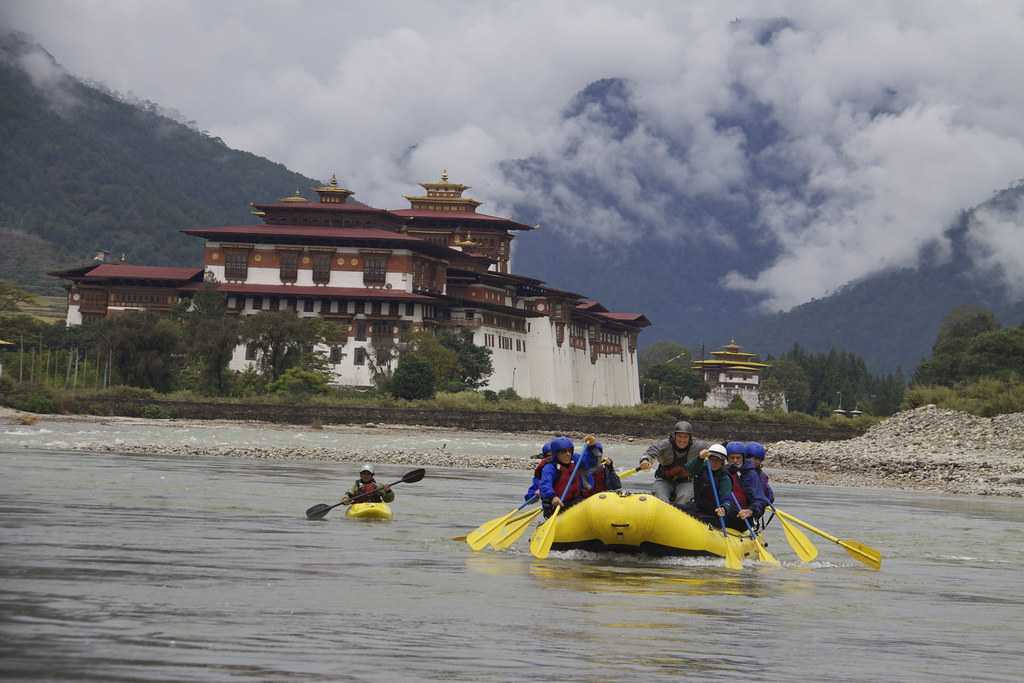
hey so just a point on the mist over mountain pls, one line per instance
(636, 211)
(681, 282)
(84, 169)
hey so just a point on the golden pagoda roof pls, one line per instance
(333, 190)
(443, 196)
(294, 198)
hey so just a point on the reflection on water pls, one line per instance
(140, 568)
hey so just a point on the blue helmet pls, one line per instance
(755, 450)
(736, 447)
(562, 443)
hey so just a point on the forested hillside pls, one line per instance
(82, 169)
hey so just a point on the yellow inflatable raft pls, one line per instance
(369, 511)
(620, 521)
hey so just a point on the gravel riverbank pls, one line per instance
(927, 448)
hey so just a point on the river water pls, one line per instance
(200, 569)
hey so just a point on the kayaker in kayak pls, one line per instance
(555, 488)
(600, 474)
(367, 484)
(755, 480)
(703, 504)
(672, 482)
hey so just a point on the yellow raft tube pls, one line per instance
(621, 521)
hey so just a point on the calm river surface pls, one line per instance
(165, 569)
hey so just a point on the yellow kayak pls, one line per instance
(369, 511)
(620, 521)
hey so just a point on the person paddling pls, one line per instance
(545, 457)
(703, 504)
(598, 471)
(755, 480)
(368, 485)
(672, 480)
(555, 488)
(736, 452)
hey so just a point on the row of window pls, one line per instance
(504, 343)
(504, 322)
(335, 356)
(341, 307)
(236, 266)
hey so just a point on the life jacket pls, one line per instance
(675, 471)
(564, 472)
(600, 482)
(368, 487)
(540, 466)
(737, 489)
(704, 495)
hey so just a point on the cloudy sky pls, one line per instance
(890, 117)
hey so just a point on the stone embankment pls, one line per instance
(927, 448)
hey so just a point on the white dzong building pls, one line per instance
(381, 274)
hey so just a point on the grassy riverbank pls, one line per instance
(133, 402)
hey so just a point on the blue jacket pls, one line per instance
(549, 475)
(755, 484)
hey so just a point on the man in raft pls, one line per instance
(672, 482)
(367, 484)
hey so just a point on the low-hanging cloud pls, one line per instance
(995, 239)
(841, 138)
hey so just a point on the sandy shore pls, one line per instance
(925, 449)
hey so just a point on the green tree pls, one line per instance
(283, 340)
(473, 364)
(949, 354)
(299, 383)
(413, 379)
(674, 381)
(212, 336)
(793, 379)
(144, 348)
(662, 352)
(772, 395)
(443, 361)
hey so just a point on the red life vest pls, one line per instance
(737, 490)
(540, 466)
(564, 472)
(368, 488)
(600, 482)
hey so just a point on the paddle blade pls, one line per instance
(414, 476)
(764, 555)
(799, 542)
(318, 511)
(732, 557)
(864, 553)
(461, 539)
(512, 531)
(544, 536)
(481, 536)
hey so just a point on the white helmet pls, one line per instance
(367, 468)
(719, 451)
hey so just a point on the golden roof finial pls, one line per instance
(444, 175)
(334, 180)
